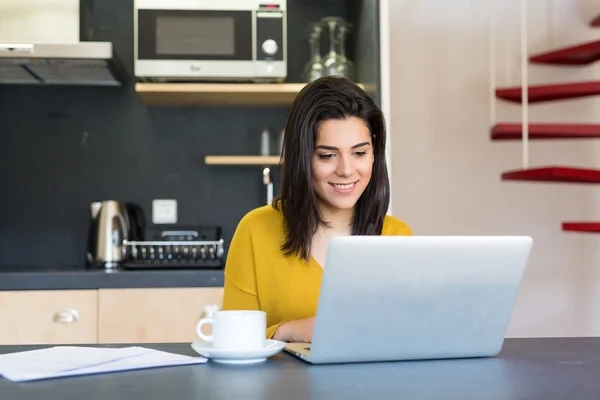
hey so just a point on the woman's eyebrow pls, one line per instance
(325, 147)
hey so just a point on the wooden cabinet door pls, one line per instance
(153, 315)
(48, 317)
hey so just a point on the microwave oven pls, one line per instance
(208, 40)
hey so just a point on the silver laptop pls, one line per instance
(390, 298)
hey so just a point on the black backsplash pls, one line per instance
(64, 147)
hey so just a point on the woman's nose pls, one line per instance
(344, 167)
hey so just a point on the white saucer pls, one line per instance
(225, 356)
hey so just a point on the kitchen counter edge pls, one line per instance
(101, 279)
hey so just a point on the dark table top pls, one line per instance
(548, 368)
(54, 278)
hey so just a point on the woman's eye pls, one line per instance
(360, 153)
(325, 156)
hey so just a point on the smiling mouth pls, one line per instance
(344, 187)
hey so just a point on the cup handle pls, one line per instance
(201, 323)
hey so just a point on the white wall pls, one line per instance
(446, 170)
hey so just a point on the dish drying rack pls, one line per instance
(175, 249)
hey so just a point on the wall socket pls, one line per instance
(164, 211)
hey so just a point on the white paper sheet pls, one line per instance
(62, 361)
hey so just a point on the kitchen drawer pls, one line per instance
(48, 317)
(163, 315)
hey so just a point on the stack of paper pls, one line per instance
(61, 361)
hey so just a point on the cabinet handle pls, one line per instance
(209, 310)
(66, 316)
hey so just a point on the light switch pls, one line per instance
(164, 211)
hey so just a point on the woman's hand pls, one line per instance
(300, 330)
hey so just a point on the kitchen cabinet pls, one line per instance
(153, 315)
(48, 317)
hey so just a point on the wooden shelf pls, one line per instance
(541, 93)
(538, 131)
(242, 160)
(554, 174)
(595, 22)
(587, 227)
(582, 54)
(218, 94)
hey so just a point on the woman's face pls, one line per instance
(342, 162)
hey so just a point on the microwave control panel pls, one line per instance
(270, 33)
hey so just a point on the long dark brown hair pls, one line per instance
(324, 99)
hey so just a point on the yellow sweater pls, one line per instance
(259, 277)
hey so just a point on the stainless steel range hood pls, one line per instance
(90, 63)
(83, 63)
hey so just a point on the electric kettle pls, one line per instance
(112, 222)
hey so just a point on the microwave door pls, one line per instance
(194, 42)
(195, 35)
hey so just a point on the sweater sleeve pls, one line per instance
(240, 290)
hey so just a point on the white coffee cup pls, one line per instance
(235, 329)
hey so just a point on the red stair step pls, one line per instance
(554, 174)
(595, 22)
(539, 93)
(589, 227)
(513, 131)
(574, 55)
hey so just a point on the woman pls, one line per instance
(334, 182)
